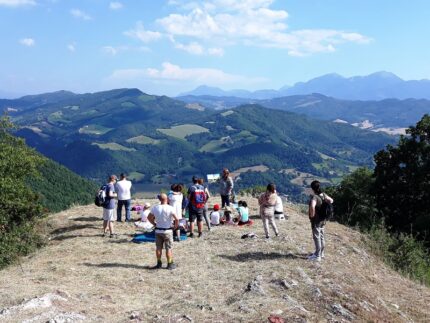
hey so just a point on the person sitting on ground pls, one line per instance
(243, 217)
(317, 224)
(161, 216)
(215, 216)
(109, 207)
(144, 223)
(205, 210)
(279, 209)
(267, 202)
(227, 216)
(175, 200)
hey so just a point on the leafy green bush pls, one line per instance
(19, 206)
(401, 251)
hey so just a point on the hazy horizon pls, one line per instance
(173, 46)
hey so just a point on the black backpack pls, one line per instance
(325, 211)
(101, 198)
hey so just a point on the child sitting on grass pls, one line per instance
(144, 223)
(243, 211)
(227, 218)
(215, 216)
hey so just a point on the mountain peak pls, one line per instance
(385, 75)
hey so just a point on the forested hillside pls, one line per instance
(31, 186)
(158, 139)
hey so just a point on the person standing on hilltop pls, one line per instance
(123, 187)
(162, 216)
(109, 207)
(175, 198)
(206, 208)
(267, 202)
(226, 187)
(317, 223)
(196, 205)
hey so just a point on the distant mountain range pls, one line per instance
(389, 115)
(157, 139)
(376, 86)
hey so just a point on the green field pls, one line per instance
(113, 146)
(56, 117)
(227, 113)
(183, 131)
(143, 140)
(213, 146)
(128, 104)
(136, 176)
(94, 129)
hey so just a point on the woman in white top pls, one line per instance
(175, 200)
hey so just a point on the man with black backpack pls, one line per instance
(197, 201)
(109, 206)
(320, 210)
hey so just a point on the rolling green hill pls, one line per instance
(127, 130)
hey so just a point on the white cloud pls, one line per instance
(80, 14)
(71, 47)
(140, 33)
(29, 42)
(250, 23)
(192, 48)
(17, 3)
(115, 5)
(110, 50)
(173, 72)
(216, 51)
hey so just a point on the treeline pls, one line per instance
(58, 188)
(30, 186)
(391, 202)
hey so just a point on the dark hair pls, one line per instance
(315, 185)
(200, 181)
(123, 175)
(271, 187)
(195, 179)
(242, 203)
(173, 187)
(178, 188)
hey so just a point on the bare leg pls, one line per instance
(200, 226)
(105, 225)
(110, 224)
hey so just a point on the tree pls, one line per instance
(19, 206)
(402, 181)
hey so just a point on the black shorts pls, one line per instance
(195, 214)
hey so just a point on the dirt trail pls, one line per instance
(81, 276)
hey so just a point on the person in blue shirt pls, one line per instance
(243, 211)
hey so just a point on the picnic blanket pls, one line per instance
(150, 237)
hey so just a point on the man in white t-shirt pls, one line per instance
(123, 187)
(162, 216)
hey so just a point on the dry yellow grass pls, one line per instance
(220, 278)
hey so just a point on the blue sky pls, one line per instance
(171, 46)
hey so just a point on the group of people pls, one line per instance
(168, 218)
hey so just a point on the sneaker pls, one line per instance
(267, 237)
(158, 265)
(171, 266)
(314, 258)
(322, 255)
(113, 235)
(191, 235)
(200, 234)
(175, 238)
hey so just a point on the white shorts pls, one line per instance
(108, 214)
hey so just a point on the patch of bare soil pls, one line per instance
(81, 276)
